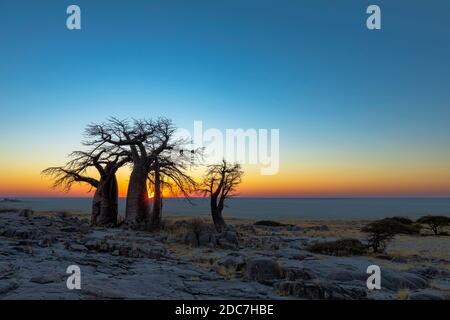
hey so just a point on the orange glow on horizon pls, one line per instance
(292, 181)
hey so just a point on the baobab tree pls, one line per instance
(105, 200)
(143, 141)
(170, 171)
(219, 183)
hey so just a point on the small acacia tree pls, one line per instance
(219, 183)
(435, 222)
(380, 232)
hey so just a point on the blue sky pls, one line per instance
(310, 68)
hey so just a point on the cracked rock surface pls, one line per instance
(35, 252)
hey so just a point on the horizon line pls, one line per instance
(257, 197)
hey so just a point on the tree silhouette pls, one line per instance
(435, 222)
(380, 232)
(169, 171)
(104, 203)
(143, 141)
(219, 183)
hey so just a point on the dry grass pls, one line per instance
(62, 214)
(191, 224)
(228, 273)
(312, 228)
(432, 247)
(440, 288)
(402, 294)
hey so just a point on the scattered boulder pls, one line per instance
(47, 241)
(47, 278)
(230, 236)
(24, 249)
(154, 252)
(85, 227)
(191, 239)
(292, 253)
(319, 291)
(91, 244)
(427, 294)
(234, 262)
(207, 239)
(293, 274)
(263, 269)
(346, 275)
(78, 247)
(225, 240)
(394, 280)
(69, 229)
(430, 272)
(228, 240)
(24, 233)
(8, 286)
(6, 270)
(101, 293)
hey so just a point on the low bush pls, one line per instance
(342, 247)
(4, 210)
(269, 223)
(63, 214)
(198, 226)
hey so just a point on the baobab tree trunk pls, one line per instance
(157, 201)
(137, 207)
(216, 212)
(108, 208)
(104, 212)
(96, 205)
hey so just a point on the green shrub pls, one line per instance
(342, 247)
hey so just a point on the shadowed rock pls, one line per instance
(263, 269)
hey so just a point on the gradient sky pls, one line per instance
(360, 113)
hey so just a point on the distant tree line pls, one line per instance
(158, 160)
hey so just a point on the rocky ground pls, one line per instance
(187, 260)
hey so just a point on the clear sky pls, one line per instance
(360, 112)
